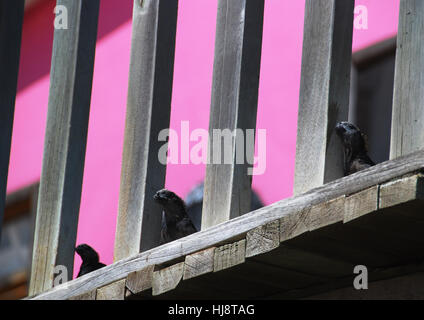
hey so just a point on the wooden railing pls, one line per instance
(324, 90)
(324, 100)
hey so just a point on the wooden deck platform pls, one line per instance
(295, 248)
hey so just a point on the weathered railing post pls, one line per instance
(324, 91)
(234, 105)
(65, 143)
(148, 112)
(408, 98)
(11, 17)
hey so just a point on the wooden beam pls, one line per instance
(167, 279)
(234, 104)
(199, 263)
(229, 255)
(263, 239)
(11, 17)
(90, 295)
(401, 190)
(141, 280)
(313, 218)
(238, 227)
(65, 143)
(361, 203)
(148, 112)
(408, 96)
(112, 291)
(325, 213)
(292, 225)
(324, 91)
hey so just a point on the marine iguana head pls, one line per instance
(87, 253)
(173, 206)
(354, 147)
(354, 141)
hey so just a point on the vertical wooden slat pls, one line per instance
(11, 16)
(65, 143)
(408, 98)
(148, 112)
(324, 91)
(234, 100)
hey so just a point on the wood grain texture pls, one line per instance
(408, 97)
(263, 239)
(11, 17)
(167, 279)
(312, 218)
(141, 280)
(65, 143)
(91, 295)
(401, 190)
(361, 203)
(325, 213)
(112, 291)
(34, 203)
(238, 227)
(324, 91)
(148, 112)
(234, 101)
(292, 225)
(229, 255)
(199, 263)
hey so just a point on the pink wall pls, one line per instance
(277, 110)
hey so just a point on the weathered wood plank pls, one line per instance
(238, 227)
(324, 91)
(34, 205)
(167, 279)
(408, 96)
(91, 295)
(312, 218)
(148, 112)
(65, 143)
(292, 225)
(199, 263)
(229, 255)
(234, 106)
(112, 291)
(361, 203)
(11, 17)
(141, 280)
(325, 213)
(263, 239)
(402, 190)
